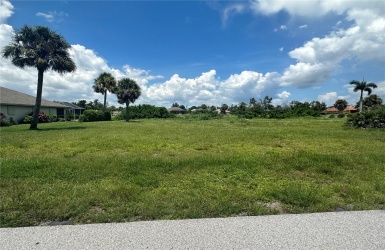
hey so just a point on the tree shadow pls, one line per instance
(59, 129)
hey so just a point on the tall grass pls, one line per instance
(175, 169)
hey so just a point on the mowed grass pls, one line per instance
(178, 169)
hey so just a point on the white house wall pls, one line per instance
(19, 112)
(16, 112)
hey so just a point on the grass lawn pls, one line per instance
(176, 169)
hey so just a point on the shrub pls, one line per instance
(62, 120)
(83, 118)
(144, 111)
(341, 115)
(107, 116)
(369, 119)
(4, 123)
(332, 116)
(93, 116)
(43, 118)
(27, 119)
(69, 116)
(52, 117)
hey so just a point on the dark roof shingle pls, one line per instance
(12, 97)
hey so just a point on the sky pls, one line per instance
(207, 52)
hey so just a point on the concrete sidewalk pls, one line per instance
(337, 230)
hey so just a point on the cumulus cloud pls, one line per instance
(318, 58)
(53, 16)
(331, 97)
(6, 10)
(313, 8)
(282, 98)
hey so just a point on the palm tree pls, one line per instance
(43, 49)
(104, 83)
(363, 86)
(127, 92)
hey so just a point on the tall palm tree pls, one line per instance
(127, 92)
(363, 86)
(104, 83)
(43, 49)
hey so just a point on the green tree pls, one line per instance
(43, 49)
(266, 103)
(224, 107)
(341, 104)
(127, 91)
(175, 105)
(104, 83)
(372, 101)
(363, 86)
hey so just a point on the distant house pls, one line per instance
(350, 109)
(332, 110)
(72, 108)
(177, 110)
(17, 105)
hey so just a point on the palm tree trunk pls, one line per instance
(127, 118)
(105, 100)
(36, 109)
(362, 91)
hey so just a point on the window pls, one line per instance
(11, 110)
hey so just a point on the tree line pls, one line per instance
(43, 49)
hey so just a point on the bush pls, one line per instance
(43, 118)
(332, 116)
(341, 115)
(27, 119)
(107, 116)
(369, 119)
(4, 123)
(93, 116)
(69, 116)
(144, 111)
(52, 117)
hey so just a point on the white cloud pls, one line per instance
(53, 16)
(282, 98)
(281, 49)
(328, 98)
(284, 95)
(331, 97)
(313, 8)
(318, 58)
(303, 26)
(304, 75)
(6, 10)
(231, 11)
(283, 27)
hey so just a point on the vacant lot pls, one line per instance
(173, 169)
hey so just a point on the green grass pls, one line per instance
(176, 169)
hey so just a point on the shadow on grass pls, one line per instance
(58, 129)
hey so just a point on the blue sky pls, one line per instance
(212, 52)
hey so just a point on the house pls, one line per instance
(17, 105)
(332, 110)
(177, 110)
(73, 109)
(350, 109)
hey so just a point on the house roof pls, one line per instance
(332, 109)
(12, 97)
(176, 109)
(71, 105)
(350, 108)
